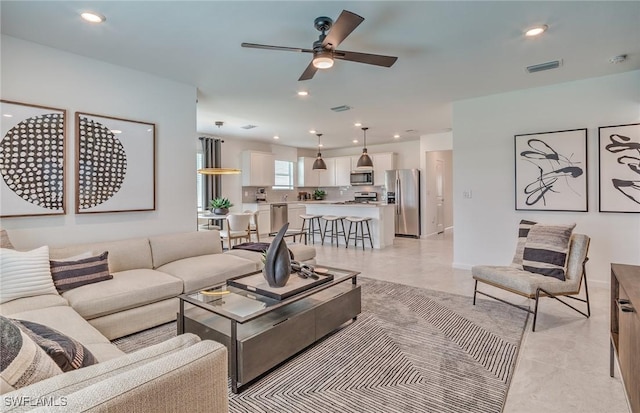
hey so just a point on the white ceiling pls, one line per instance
(446, 51)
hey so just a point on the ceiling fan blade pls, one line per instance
(346, 23)
(308, 72)
(268, 47)
(370, 59)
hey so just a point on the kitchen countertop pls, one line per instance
(324, 202)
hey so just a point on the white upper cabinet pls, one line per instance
(307, 177)
(328, 177)
(381, 163)
(258, 169)
(343, 170)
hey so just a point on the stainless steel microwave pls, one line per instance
(361, 177)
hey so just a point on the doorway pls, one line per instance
(438, 187)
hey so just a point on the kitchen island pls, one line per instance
(382, 216)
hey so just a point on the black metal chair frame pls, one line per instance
(540, 292)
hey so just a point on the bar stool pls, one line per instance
(313, 227)
(334, 228)
(359, 221)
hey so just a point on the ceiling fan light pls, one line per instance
(323, 60)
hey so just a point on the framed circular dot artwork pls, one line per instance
(115, 164)
(32, 155)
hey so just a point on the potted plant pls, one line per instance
(319, 194)
(220, 206)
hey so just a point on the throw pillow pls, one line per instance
(523, 230)
(68, 275)
(5, 242)
(67, 353)
(22, 362)
(25, 274)
(546, 250)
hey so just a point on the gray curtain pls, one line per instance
(211, 148)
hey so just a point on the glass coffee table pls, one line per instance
(262, 332)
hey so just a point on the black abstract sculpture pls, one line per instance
(277, 266)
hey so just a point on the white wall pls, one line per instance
(485, 225)
(36, 74)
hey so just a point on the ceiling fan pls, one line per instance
(324, 49)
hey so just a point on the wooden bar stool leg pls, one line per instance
(349, 234)
(344, 234)
(369, 234)
(325, 230)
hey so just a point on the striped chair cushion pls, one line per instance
(68, 353)
(22, 362)
(523, 231)
(546, 250)
(68, 275)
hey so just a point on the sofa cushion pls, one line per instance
(207, 270)
(128, 254)
(22, 361)
(32, 303)
(302, 252)
(25, 274)
(546, 250)
(67, 353)
(68, 322)
(127, 289)
(68, 275)
(173, 247)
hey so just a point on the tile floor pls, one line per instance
(563, 367)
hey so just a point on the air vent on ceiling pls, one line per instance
(248, 126)
(341, 108)
(544, 66)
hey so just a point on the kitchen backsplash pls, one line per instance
(333, 193)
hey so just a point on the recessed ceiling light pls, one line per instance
(92, 17)
(116, 131)
(536, 31)
(357, 124)
(312, 131)
(396, 136)
(303, 93)
(355, 141)
(276, 137)
(6, 115)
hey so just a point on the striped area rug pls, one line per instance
(411, 350)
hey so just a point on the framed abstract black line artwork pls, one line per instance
(115, 164)
(551, 171)
(619, 168)
(32, 160)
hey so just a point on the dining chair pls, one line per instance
(237, 228)
(253, 225)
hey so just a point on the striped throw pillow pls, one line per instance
(68, 275)
(25, 274)
(22, 361)
(546, 250)
(523, 231)
(69, 354)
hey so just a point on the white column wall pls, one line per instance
(483, 142)
(35, 74)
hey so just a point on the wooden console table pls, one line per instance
(625, 329)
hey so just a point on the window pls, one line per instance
(200, 181)
(284, 175)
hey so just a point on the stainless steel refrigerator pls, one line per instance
(403, 190)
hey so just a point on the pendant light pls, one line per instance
(319, 162)
(365, 159)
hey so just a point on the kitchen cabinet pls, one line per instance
(295, 210)
(381, 163)
(343, 170)
(307, 177)
(258, 169)
(327, 177)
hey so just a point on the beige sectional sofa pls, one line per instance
(148, 275)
